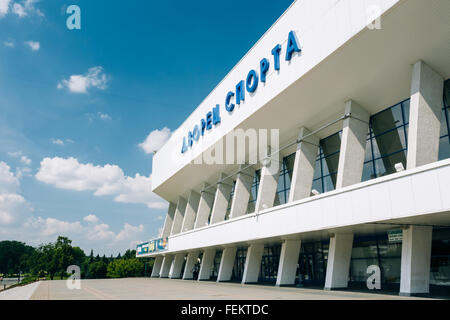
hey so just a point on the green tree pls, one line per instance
(122, 268)
(14, 257)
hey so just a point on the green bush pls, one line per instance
(122, 268)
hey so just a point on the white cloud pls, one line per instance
(93, 234)
(100, 232)
(18, 223)
(9, 183)
(104, 116)
(94, 78)
(129, 231)
(34, 45)
(26, 8)
(24, 171)
(19, 10)
(9, 44)
(155, 140)
(4, 7)
(25, 160)
(108, 180)
(13, 207)
(91, 218)
(60, 142)
(57, 142)
(56, 227)
(15, 154)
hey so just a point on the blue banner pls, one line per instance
(153, 246)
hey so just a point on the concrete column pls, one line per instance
(190, 212)
(253, 263)
(205, 206)
(169, 220)
(177, 264)
(226, 264)
(304, 165)
(207, 264)
(242, 191)
(416, 260)
(338, 266)
(221, 199)
(179, 216)
(427, 89)
(267, 190)
(353, 145)
(166, 265)
(157, 266)
(191, 260)
(287, 269)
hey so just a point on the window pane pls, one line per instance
(391, 142)
(444, 148)
(329, 183)
(444, 130)
(317, 184)
(317, 172)
(368, 173)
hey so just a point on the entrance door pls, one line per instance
(312, 264)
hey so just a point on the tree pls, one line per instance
(121, 268)
(14, 257)
(64, 254)
(98, 269)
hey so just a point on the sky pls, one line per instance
(82, 111)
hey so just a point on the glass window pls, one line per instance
(327, 162)
(386, 141)
(230, 201)
(216, 265)
(269, 264)
(284, 180)
(239, 264)
(444, 142)
(440, 257)
(254, 192)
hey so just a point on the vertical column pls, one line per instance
(205, 206)
(304, 165)
(166, 265)
(427, 88)
(269, 181)
(157, 266)
(353, 145)
(169, 220)
(191, 210)
(416, 260)
(177, 264)
(226, 264)
(179, 216)
(190, 264)
(338, 266)
(242, 191)
(253, 263)
(221, 199)
(287, 269)
(207, 264)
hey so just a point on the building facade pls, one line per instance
(352, 183)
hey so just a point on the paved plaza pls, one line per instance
(165, 289)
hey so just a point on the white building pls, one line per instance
(362, 109)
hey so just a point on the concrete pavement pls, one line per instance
(165, 289)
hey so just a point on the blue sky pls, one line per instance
(77, 105)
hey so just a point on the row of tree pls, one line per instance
(52, 259)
